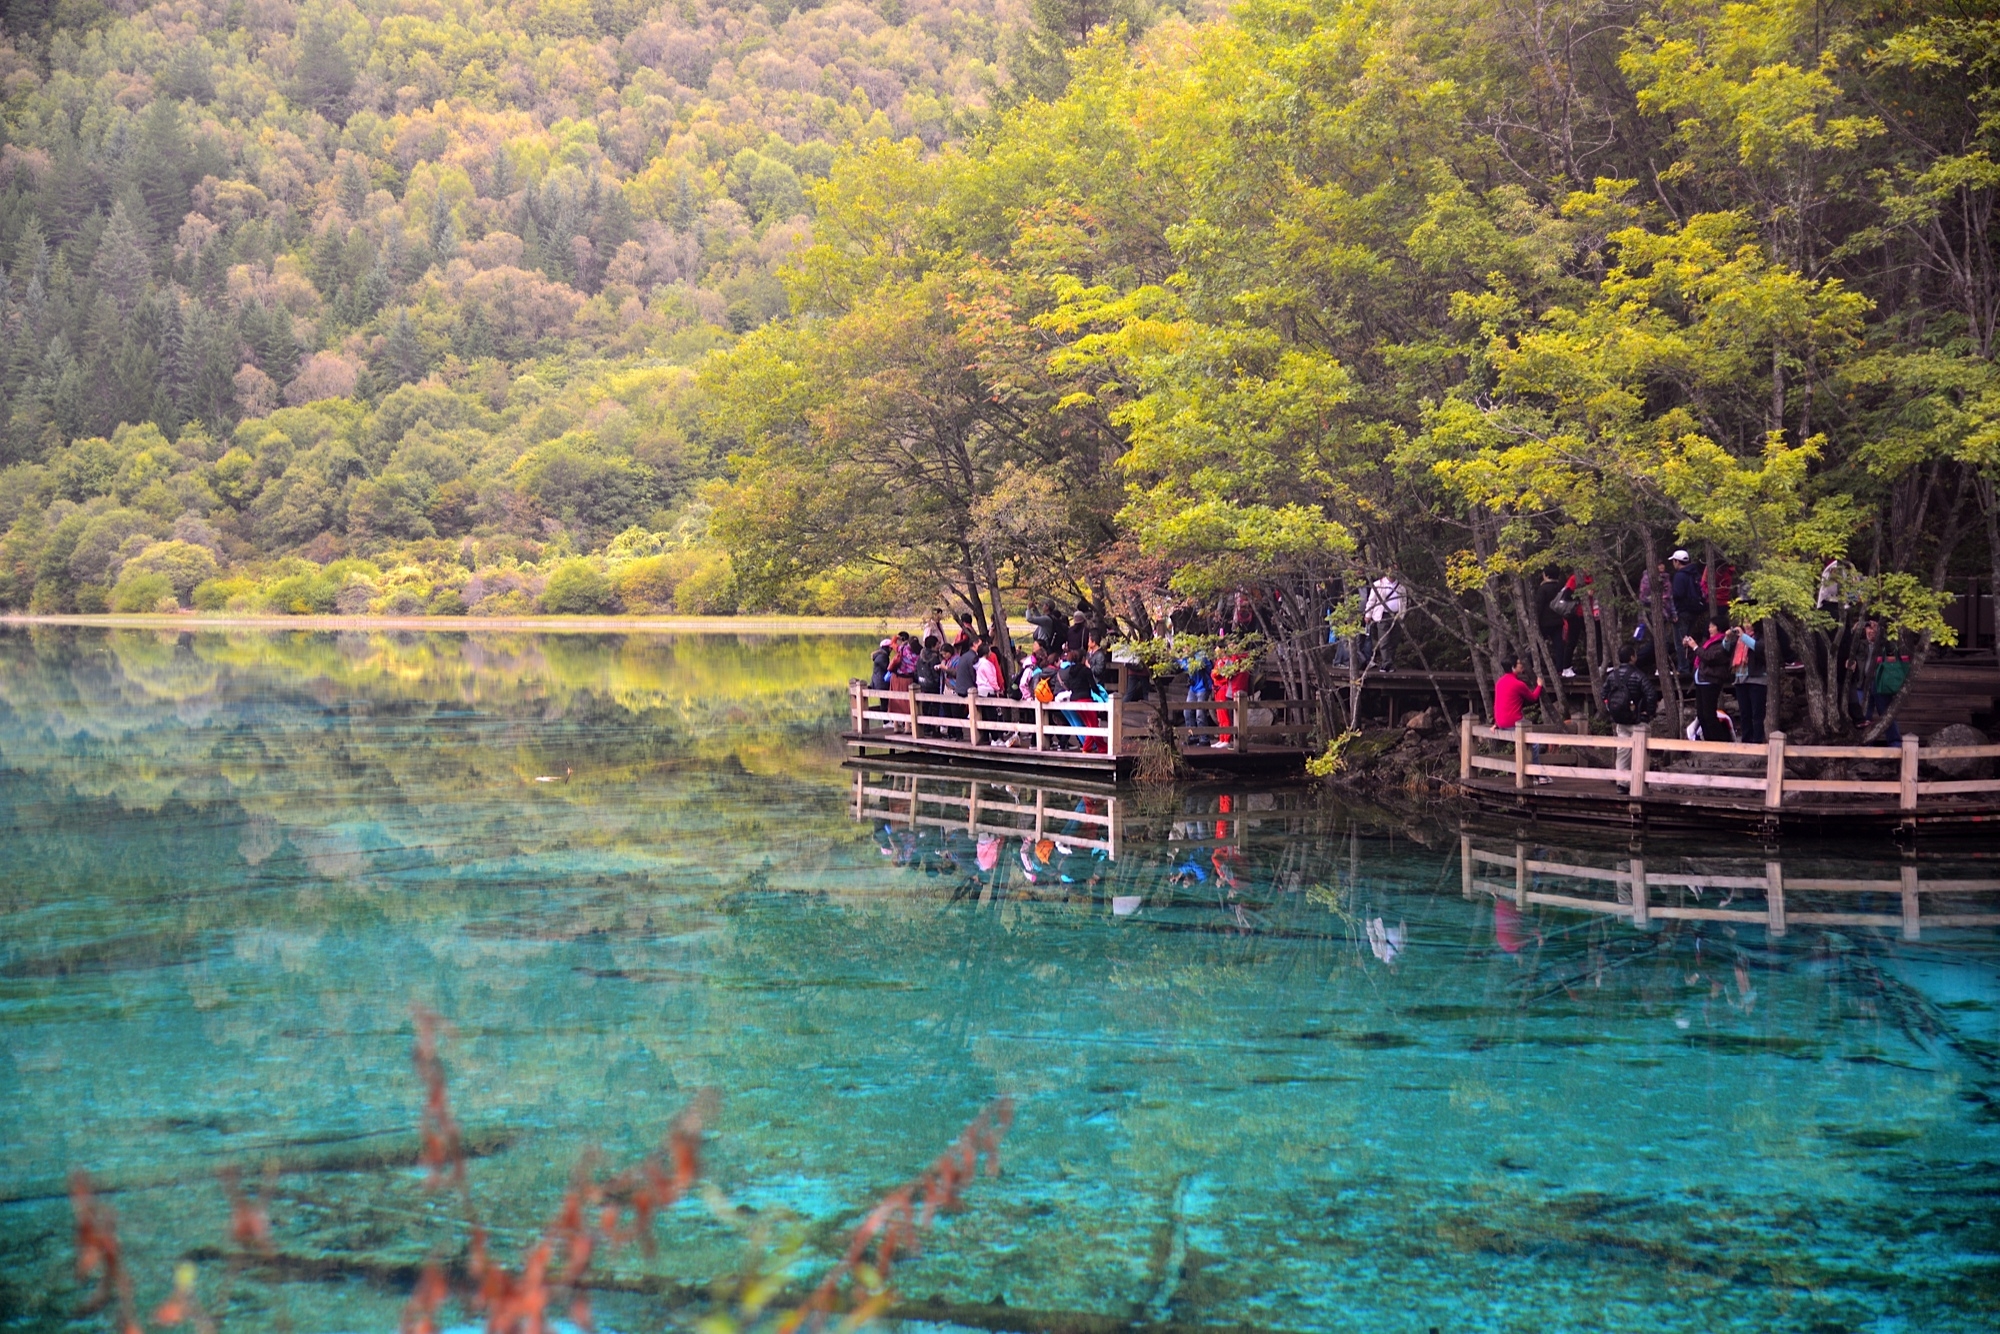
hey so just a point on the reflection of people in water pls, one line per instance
(1188, 871)
(1510, 929)
(1386, 941)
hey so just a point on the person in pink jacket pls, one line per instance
(1511, 697)
(1512, 694)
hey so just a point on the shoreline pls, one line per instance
(195, 622)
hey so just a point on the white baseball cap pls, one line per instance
(1679, 555)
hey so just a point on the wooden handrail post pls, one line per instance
(1465, 761)
(1774, 897)
(1041, 726)
(1116, 722)
(1464, 863)
(854, 704)
(1912, 913)
(972, 718)
(1774, 775)
(1521, 754)
(1638, 787)
(911, 698)
(1909, 776)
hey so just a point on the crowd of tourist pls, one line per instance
(1067, 664)
(1712, 652)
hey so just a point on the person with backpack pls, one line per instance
(1049, 628)
(1630, 700)
(1711, 672)
(930, 680)
(1892, 673)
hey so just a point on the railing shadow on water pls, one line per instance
(1777, 894)
(1131, 851)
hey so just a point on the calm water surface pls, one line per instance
(1275, 1066)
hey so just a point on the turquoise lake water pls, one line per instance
(1276, 1064)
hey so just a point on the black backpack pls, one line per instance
(1624, 696)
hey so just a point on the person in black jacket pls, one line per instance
(1630, 701)
(1048, 623)
(1690, 606)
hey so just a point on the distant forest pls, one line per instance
(397, 307)
(434, 307)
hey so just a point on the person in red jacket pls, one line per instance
(1511, 697)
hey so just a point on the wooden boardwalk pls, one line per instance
(1771, 787)
(1105, 738)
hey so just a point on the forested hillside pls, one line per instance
(428, 307)
(414, 287)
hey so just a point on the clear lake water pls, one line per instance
(1276, 1064)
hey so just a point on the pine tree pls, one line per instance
(353, 190)
(324, 75)
(122, 268)
(404, 352)
(160, 167)
(443, 229)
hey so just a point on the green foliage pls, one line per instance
(577, 588)
(1332, 760)
(143, 592)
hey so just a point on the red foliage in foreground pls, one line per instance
(596, 1217)
(898, 1223)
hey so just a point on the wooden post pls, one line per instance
(854, 704)
(972, 719)
(1774, 776)
(1465, 750)
(1638, 786)
(1909, 776)
(1520, 875)
(1642, 913)
(1521, 754)
(1912, 913)
(912, 698)
(1041, 726)
(1774, 897)
(1464, 864)
(1115, 719)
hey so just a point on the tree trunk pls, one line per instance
(1664, 646)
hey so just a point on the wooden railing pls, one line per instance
(979, 807)
(1768, 774)
(973, 722)
(1287, 727)
(1633, 889)
(1106, 727)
